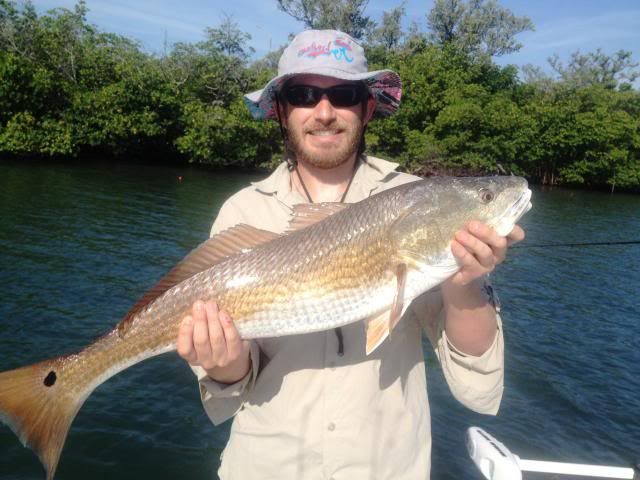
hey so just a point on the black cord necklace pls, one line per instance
(346, 190)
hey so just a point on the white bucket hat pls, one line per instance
(333, 54)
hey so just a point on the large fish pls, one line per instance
(336, 265)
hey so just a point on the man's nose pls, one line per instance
(324, 110)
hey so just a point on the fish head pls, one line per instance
(436, 208)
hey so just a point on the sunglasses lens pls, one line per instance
(302, 95)
(345, 95)
(339, 96)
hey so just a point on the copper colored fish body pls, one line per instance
(338, 264)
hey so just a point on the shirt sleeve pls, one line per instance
(222, 401)
(228, 216)
(475, 381)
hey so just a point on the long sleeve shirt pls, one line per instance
(307, 410)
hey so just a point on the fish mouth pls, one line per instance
(522, 205)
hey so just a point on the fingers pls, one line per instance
(468, 265)
(185, 340)
(233, 341)
(478, 248)
(208, 337)
(201, 339)
(516, 235)
(477, 245)
(217, 353)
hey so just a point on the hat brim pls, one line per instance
(384, 85)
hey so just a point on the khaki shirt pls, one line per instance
(306, 412)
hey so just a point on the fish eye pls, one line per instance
(486, 195)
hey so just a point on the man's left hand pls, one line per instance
(478, 248)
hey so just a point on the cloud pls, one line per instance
(128, 13)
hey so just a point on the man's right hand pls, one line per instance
(208, 338)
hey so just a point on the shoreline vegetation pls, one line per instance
(70, 92)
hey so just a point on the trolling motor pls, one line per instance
(496, 462)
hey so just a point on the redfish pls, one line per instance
(336, 265)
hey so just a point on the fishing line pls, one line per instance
(585, 244)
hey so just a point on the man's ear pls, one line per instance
(371, 108)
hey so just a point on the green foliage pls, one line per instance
(344, 15)
(67, 90)
(479, 27)
(226, 136)
(597, 68)
(228, 39)
(72, 90)
(389, 34)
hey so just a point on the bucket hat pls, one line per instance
(333, 54)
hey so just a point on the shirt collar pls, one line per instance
(278, 181)
(370, 174)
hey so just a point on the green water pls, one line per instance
(79, 243)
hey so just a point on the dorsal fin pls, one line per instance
(305, 214)
(230, 242)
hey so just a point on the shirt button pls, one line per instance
(331, 427)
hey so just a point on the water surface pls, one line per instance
(79, 243)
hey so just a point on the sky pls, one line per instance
(561, 26)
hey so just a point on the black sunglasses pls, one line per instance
(346, 95)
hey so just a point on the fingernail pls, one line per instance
(187, 321)
(199, 305)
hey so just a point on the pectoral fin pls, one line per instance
(379, 327)
(377, 330)
(398, 302)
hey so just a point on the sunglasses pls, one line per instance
(346, 95)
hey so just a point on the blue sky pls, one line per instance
(562, 26)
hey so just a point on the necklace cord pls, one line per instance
(346, 190)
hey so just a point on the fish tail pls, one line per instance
(39, 408)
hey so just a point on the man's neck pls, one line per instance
(324, 185)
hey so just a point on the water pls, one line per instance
(79, 243)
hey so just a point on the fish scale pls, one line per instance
(364, 261)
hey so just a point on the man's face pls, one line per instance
(323, 135)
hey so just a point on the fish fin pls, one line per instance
(397, 309)
(39, 410)
(379, 326)
(412, 260)
(377, 330)
(305, 214)
(232, 241)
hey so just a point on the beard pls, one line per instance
(325, 158)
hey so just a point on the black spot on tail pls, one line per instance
(50, 379)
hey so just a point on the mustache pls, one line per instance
(324, 128)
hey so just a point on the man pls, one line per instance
(315, 406)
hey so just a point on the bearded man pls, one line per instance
(314, 406)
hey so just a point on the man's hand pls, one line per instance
(479, 249)
(209, 339)
(471, 319)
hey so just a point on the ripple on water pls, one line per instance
(78, 244)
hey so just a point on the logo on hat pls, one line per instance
(339, 52)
